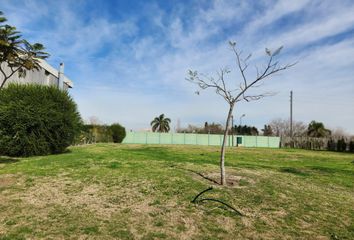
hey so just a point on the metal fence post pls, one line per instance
(268, 142)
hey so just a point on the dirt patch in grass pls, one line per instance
(10, 180)
(96, 198)
(7, 180)
(103, 201)
(233, 179)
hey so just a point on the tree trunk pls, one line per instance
(3, 82)
(223, 147)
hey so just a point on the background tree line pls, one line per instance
(96, 132)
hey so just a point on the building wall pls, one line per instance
(199, 139)
(40, 76)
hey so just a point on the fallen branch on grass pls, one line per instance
(213, 200)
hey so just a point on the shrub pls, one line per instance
(351, 146)
(94, 133)
(118, 132)
(36, 120)
(331, 145)
(341, 145)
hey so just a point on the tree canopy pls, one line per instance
(317, 129)
(160, 124)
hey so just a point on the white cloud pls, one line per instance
(142, 75)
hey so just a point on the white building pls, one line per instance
(46, 75)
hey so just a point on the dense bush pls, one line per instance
(95, 133)
(118, 132)
(36, 120)
(331, 145)
(351, 146)
(341, 145)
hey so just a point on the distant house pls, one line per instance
(46, 75)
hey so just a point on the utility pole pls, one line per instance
(241, 118)
(291, 114)
(232, 129)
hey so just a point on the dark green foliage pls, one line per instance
(331, 145)
(118, 132)
(160, 124)
(351, 146)
(36, 120)
(317, 130)
(95, 133)
(341, 145)
(245, 130)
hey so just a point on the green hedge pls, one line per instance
(36, 120)
(118, 132)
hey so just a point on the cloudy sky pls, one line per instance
(129, 59)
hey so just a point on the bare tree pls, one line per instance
(281, 127)
(339, 132)
(233, 96)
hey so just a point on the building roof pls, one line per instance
(54, 72)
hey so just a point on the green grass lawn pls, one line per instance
(109, 191)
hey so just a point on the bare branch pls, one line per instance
(259, 96)
(236, 95)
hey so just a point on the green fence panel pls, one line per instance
(262, 141)
(178, 138)
(165, 138)
(190, 139)
(274, 142)
(249, 141)
(200, 139)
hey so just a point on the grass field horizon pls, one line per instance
(118, 191)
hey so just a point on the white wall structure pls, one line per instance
(46, 75)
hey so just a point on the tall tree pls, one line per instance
(160, 124)
(234, 95)
(17, 55)
(317, 129)
(267, 130)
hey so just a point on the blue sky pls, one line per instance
(129, 59)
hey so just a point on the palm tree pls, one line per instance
(18, 54)
(160, 124)
(317, 129)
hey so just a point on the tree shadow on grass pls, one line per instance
(6, 160)
(292, 170)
